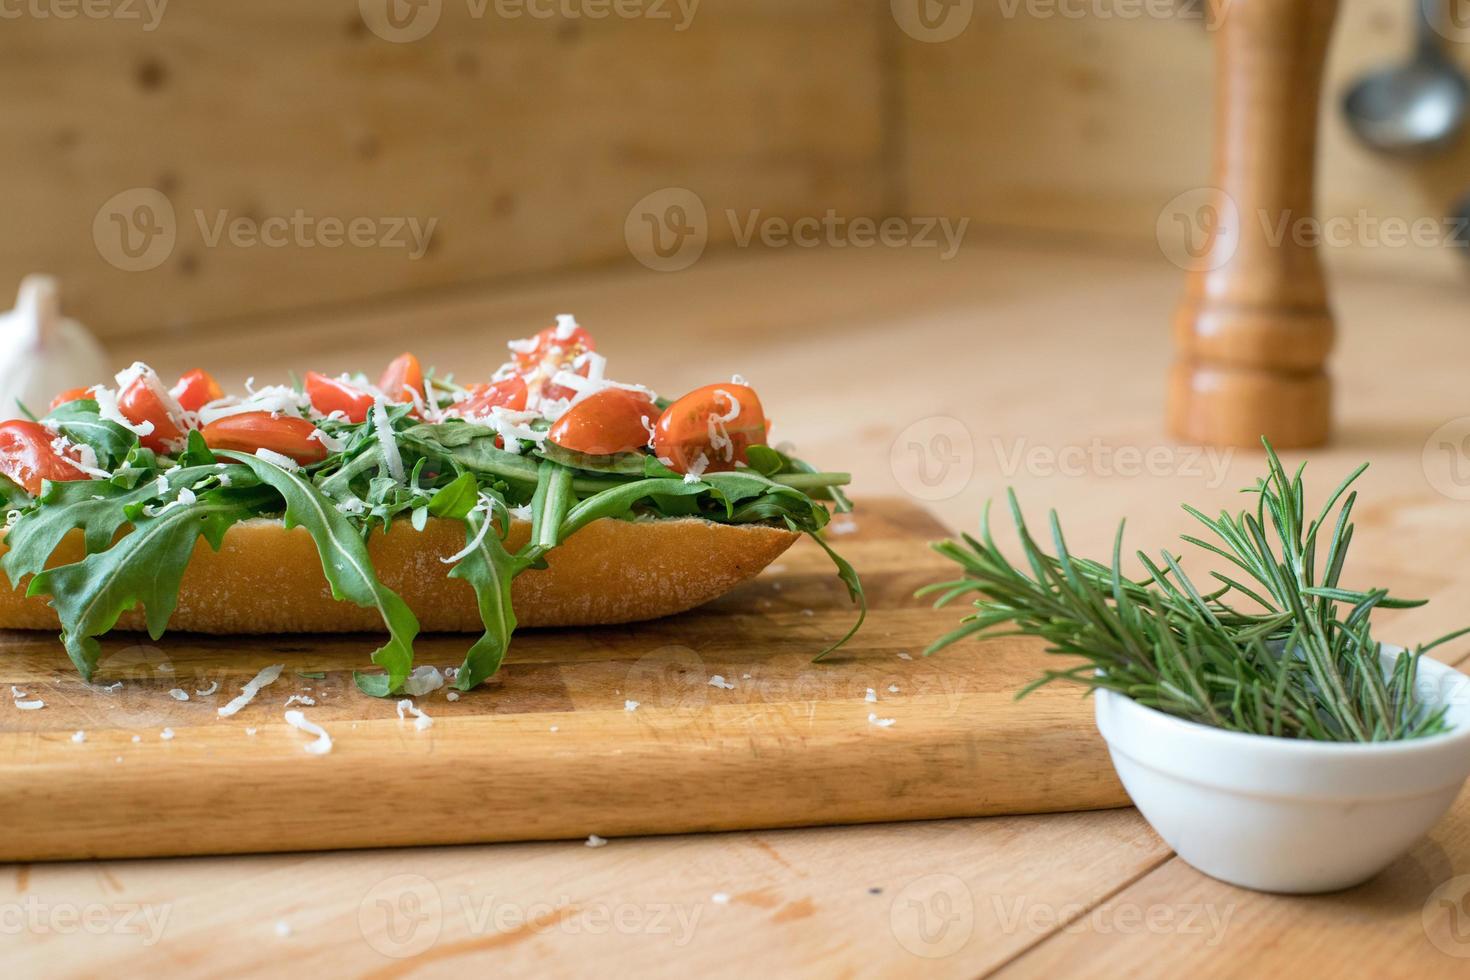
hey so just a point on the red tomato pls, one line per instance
(562, 345)
(403, 379)
(282, 434)
(510, 394)
(196, 389)
(144, 400)
(26, 456)
(70, 395)
(329, 395)
(611, 421)
(719, 421)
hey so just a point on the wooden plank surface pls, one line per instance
(526, 132)
(1075, 366)
(549, 749)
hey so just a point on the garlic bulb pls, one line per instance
(41, 352)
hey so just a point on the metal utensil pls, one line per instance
(1417, 107)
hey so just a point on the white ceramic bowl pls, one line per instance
(1285, 815)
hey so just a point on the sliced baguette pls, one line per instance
(266, 579)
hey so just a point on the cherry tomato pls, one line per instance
(611, 421)
(145, 400)
(719, 421)
(282, 434)
(329, 395)
(70, 395)
(403, 379)
(562, 345)
(510, 394)
(26, 456)
(196, 389)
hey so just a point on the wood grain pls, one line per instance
(549, 749)
(527, 138)
(823, 901)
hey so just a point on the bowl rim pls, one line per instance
(1225, 738)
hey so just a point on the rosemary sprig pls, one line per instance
(1303, 663)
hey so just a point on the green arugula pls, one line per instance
(348, 567)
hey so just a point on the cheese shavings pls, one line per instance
(720, 682)
(35, 705)
(384, 430)
(422, 680)
(252, 687)
(179, 694)
(323, 743)
(420, 719)
(277, 460)
(206, 692)
(880, 722)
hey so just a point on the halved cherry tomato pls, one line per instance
(26, 456)
(196, 389)
(329, 395)
(718, 421)
(145, 400)
(510, 394)
(564, 345)
(282, 434)
(614, 420)
(403, 379)
(70, 395)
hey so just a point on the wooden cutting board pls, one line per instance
(549, 749)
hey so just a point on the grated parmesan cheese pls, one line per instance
(422, 680)
(872, 695)
(880, 722)
(594, 841)
(310, 702)
(323, 743)
(420, 719)
(214, 686)
(720, 682)
(252, 687)
(179, 694)
(79, 736)
(630, 705)
(167, 734)
(33, 705)
(277, 460)
(384, 430)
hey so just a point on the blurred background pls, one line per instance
(930, 233)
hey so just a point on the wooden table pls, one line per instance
(1051, 365)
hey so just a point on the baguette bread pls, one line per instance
(266, 579)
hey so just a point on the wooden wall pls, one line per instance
(1084, 128)
(528, 140)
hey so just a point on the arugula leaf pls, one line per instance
(145, 566)
(13, 496)
(98, 508)
(458, 499)
(472, 447)
(849, 577)
(619, 464)
(80, 422)
(349, 570)
(490, 569)
(618, 501)
(549, 508)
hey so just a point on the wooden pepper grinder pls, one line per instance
(1254, 329)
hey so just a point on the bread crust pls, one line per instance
(265, 579)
